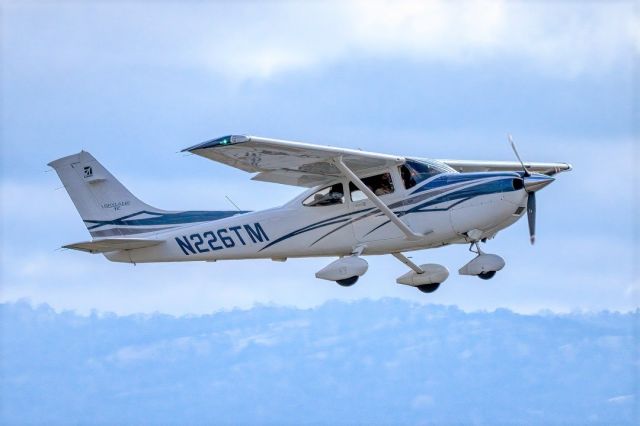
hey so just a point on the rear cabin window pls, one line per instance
(378, 184)
(328, 196)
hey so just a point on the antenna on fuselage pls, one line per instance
(234, 204)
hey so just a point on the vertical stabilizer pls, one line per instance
(98, 196)
(108, 209)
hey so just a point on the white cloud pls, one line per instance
(262, 40)
(422, 401)
(622, 399)
(164, 349)
(559, 39)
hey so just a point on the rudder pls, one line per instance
(97, 195)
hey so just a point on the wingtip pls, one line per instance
(221, 141)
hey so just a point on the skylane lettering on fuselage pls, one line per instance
(221, 239)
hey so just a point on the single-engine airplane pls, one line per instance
(357, 203)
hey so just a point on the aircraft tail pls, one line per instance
(102, 201)
(108, 209)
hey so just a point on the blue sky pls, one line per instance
(133, 83)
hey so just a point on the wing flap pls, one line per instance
(307, 180)
(112, 244)
(499, 166)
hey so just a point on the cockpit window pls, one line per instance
(328, 196)
(413, 172)
(379, 184)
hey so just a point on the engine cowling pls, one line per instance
(343, 268)
(483, 263)
(433, 274)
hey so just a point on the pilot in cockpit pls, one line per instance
(334, 195)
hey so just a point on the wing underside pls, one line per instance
(466, 166)
(289, 163)
(309, 165)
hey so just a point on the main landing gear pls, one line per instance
(426, 278)
(348, 282)
(428, 288)
(345, 271)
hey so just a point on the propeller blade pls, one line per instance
(531, 216)
(515, 151)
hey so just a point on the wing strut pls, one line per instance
(404, 259)
(375, 199)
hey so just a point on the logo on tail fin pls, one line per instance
(88, 172)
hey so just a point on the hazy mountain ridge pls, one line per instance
(367, 361)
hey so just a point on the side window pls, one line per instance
(379, 184)
(326, 196)
(408, 176)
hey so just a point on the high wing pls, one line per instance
(289, 163)
(500, 166)
(309, 165)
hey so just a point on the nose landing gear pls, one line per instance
(484, 265)
(486, 275)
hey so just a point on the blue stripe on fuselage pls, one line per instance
(178, 218)
(491, 187)
(463, 194)
(453, 178)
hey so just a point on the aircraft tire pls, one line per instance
(347, 282)
(486, 275)
(428, 288)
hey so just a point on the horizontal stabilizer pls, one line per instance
(112, 244)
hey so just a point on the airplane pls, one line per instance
(356, 204)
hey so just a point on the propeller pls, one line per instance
(532, 183)
(531, 216)
(515, 151)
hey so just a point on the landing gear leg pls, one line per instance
(483, 266)
(475, 244)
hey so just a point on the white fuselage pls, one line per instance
(443, 209)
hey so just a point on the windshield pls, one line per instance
(415, 171)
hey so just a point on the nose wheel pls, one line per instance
(484, 265)
(486, 275)
(482, 275)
